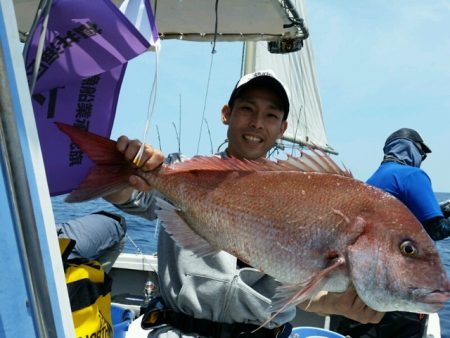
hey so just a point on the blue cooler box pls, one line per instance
(121, 319)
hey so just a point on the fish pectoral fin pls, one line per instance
(288, 294)
(180, 231)
(293, 294)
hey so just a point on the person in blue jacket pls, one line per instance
(400, 175)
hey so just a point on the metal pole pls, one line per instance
(45, 304)
(22, 210)
(249, 57)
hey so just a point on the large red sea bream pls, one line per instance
(303, 221)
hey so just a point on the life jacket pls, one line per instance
(89, 289)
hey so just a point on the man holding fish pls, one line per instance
(220, 288)
(244, 239)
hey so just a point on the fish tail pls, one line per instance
(110, 172)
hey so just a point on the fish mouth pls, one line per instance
(433, 299)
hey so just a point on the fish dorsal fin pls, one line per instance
(216, 163)
(317, 161)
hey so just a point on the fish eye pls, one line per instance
(407, 248)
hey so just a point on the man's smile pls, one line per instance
(252, 138)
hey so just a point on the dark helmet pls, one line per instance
(409, 134)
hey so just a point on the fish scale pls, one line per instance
(254, 205)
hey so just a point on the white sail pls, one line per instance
(296, 70)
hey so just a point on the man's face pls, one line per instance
(254, 123)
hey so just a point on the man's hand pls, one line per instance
(346, 304)
(150, 160)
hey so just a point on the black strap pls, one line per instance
(207, 328)
(85, 292)
(66, 246)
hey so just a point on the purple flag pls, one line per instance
(140, 13)
(87, 45)
(84, 38)
(91, 105)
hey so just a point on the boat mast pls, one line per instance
(249, 57)
(291, 58)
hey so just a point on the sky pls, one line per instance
(381, 65)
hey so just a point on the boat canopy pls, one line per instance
(206, 20)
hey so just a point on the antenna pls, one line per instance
(178, 136)
(209, 134)
(159, 138)
(206, 97)
(179, 127)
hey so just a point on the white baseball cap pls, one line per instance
(262, 78)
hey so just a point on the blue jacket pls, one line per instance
(411, 185)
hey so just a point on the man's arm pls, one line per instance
(419, 197)
(346, 304)
(151, 159)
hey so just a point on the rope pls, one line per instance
(204, 103)
(138, 250)
(213, 51)
(150, 110)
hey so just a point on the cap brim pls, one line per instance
(425, 148)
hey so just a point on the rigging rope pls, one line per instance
(154, 90)
(204, 102)
(150, 108)
(213, 51)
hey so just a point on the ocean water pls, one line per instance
(141, 236)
